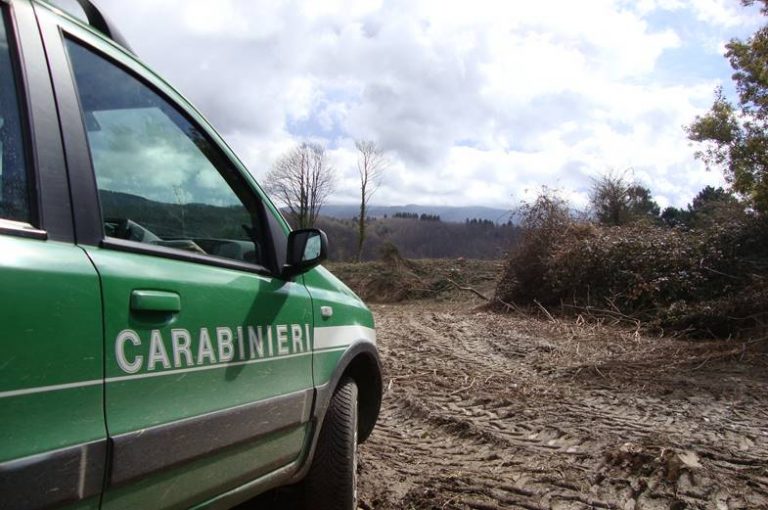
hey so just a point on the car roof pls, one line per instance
(96, 21)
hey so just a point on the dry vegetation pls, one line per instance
(393, 279)
(577, 396)
(488, 411)
(710, 281)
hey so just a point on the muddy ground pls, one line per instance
(489, 411)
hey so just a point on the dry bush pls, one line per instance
(710, 282)
(543, 223)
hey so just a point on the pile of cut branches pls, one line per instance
(711, 282)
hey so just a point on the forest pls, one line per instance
(420, 237)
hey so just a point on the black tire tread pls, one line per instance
(330, 484)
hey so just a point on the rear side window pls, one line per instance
(14, 179)
(161, 180)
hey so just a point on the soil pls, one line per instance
(486, 411)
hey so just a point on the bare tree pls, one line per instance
(616, 200)
(371, 164)
(302, 179)
(610, 196)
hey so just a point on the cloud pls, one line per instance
(474, 101)
(721, 12)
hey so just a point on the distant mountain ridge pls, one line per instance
(452, 237)
(447, 213)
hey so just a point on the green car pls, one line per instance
(167, 340)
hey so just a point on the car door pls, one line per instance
(208, 355)
(52, 433)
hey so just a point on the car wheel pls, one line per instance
(332, 480)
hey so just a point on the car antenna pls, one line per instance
(100, 22)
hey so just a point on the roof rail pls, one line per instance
(100, 22)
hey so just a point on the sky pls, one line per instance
(475, 103)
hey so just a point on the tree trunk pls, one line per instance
(361, 229)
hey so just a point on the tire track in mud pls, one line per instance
(478, 413)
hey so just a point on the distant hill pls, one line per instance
(418, 238)
(415, 232)
(446, 213)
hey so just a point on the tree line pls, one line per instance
(416, 216)
(418, 239)
(616, 201)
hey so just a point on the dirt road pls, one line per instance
(485, 411)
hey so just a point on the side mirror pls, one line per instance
(306, 248)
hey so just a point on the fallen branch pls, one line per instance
(546, 312)
(465, 388)
(509, 306)
(597, 312)
(468, 289)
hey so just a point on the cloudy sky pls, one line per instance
(476, 102)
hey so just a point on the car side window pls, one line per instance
(161, 180)
(14, 175)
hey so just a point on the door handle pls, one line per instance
(155, 301)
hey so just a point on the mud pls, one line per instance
(484, 411)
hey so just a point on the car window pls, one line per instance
(14, 180)
(161, 180)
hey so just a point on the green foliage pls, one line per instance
(709, 196)
(482, 222)
(675, 217)
(641, 204)
(735, 137)
(416, 216)
(714, 206)
(710, 206)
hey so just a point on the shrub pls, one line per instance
(543, 223)
(707, 282)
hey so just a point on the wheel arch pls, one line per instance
(360, 362)
(365, 369)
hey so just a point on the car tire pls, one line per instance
(331, 483)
